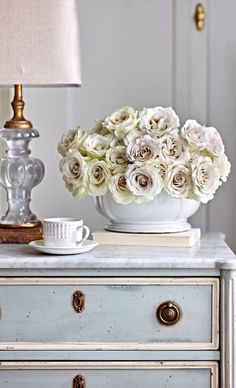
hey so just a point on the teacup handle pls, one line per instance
(86, 230)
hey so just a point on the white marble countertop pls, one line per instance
(210, 252)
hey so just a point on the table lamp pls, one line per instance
(39, 44)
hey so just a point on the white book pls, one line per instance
(181, 239)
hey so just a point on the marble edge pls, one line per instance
(211, 253)
(51, 262)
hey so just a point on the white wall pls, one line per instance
(222, 107)
(190, 64)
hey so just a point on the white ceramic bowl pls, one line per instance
(161, 215)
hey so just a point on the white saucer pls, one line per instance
(85, 247)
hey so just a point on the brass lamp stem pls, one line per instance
(18, 120)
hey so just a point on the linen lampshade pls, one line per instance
(39, 42)
(39, 45)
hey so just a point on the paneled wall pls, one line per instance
(222, 107)
(141, 53)
(190, 70)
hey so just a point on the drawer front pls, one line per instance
(109, 313)
(107, 375)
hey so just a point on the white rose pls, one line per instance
(141, 147)
(119, 190)
(116, 141)
(99, 128)
(195, 134)
(143, 181)
(173, 149)
(96, 145)
(116, 157)
(214, 144)
(71, 140)
(223, 165)
(158, 121)
(205, 178)
(98, 177)
(160, 167)
(122, 121)
(73, 168)
(178, 182)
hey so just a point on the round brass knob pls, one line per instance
(168, 313)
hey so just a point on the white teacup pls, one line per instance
(64, 232)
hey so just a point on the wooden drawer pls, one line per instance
(107, 375)
(107, 313)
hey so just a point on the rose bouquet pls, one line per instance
(137, 154)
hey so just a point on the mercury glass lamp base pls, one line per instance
(19, 173)
(14, 223)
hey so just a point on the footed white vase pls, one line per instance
(164, 214)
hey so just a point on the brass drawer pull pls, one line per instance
(168, 313)
(200, 17)
(78, 301)
(78, 382)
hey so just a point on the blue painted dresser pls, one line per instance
(118, 317)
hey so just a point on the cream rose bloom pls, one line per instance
(96, 145)
(99, 128)
(143, 181)
(172, 149)
(98, 177)
(223, 165)
(122, 121)
(158, 121)
(205, 178)
(71, 140)
(73, 169)
(195, 134)
(160, 167)
(119, 190)
(116, 141)
(136, 154)
(178, 181)
(214, 144)
(141, 147)
(116, 158)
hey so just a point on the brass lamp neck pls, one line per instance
(18, 120)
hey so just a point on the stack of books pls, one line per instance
(181, 239)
